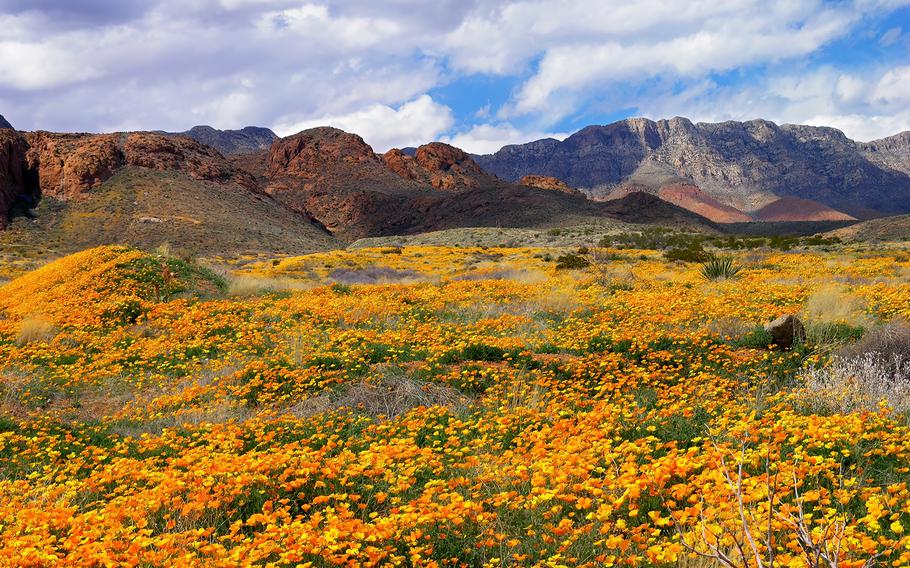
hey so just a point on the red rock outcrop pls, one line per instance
(336, 178)
(176, 153)
(547, 182)
(439, 165)
(318, 152)
(13, 148)
(68, 165)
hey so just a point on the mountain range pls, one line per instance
(728, 171)
(317, 186)
(224, 191)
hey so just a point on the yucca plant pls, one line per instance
(719, 267)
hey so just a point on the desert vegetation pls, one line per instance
(600, 404)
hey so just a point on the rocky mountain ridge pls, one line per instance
(328, 178)
(744, 165)
(228, 142)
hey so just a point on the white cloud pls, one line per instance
(383, 127)
(755, 32)
(171, 64)
(864, 106)
(488, 138)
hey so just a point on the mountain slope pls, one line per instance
(337, 179)
(896, 228)
(147, 208)
(892, 152)
(796, 209)
(4, 123)
(745, 165)
(306, 190)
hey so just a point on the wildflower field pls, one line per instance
(456, 406)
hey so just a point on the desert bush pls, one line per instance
(571, 262)
(693, 252)
(716, 268)
(35, 328)
(889, 341)
(756, 338)
(392, 395)
(859, 383)
(372, 275)
(832, 335)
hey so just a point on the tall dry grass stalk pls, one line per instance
(35, 328)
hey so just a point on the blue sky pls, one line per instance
(478, 74)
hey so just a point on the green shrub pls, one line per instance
(758, 338)
(719, 267)
(692, 252)
(571, 262)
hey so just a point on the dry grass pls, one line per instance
(889, 341)
(730, 327)
(35, 328)
(834, 303)
(252, 285)
(861, 383)
(374, 275)
(392, 395)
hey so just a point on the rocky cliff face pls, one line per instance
(68, 166)
(742, 164)
(229, 142)
(892, 152)
(337, 179)
(4, 124)
(13, 172)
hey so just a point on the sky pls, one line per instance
(479, 74)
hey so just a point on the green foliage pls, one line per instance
(692, 252)
(833, 333)
(161, 278)
(719, 267)
(758, 338)
(571, 262)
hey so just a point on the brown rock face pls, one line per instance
(13, 148)
(336, 178)
(547, 182)
(68, 165)
(174, 153)
(439, 165)
(317, 152)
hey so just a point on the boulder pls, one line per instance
(786, 330)
(547, 182)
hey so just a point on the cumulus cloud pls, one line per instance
(385, 127)
(866, 106)
(104, 64)
(488, 138)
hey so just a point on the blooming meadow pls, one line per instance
(446, 406)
